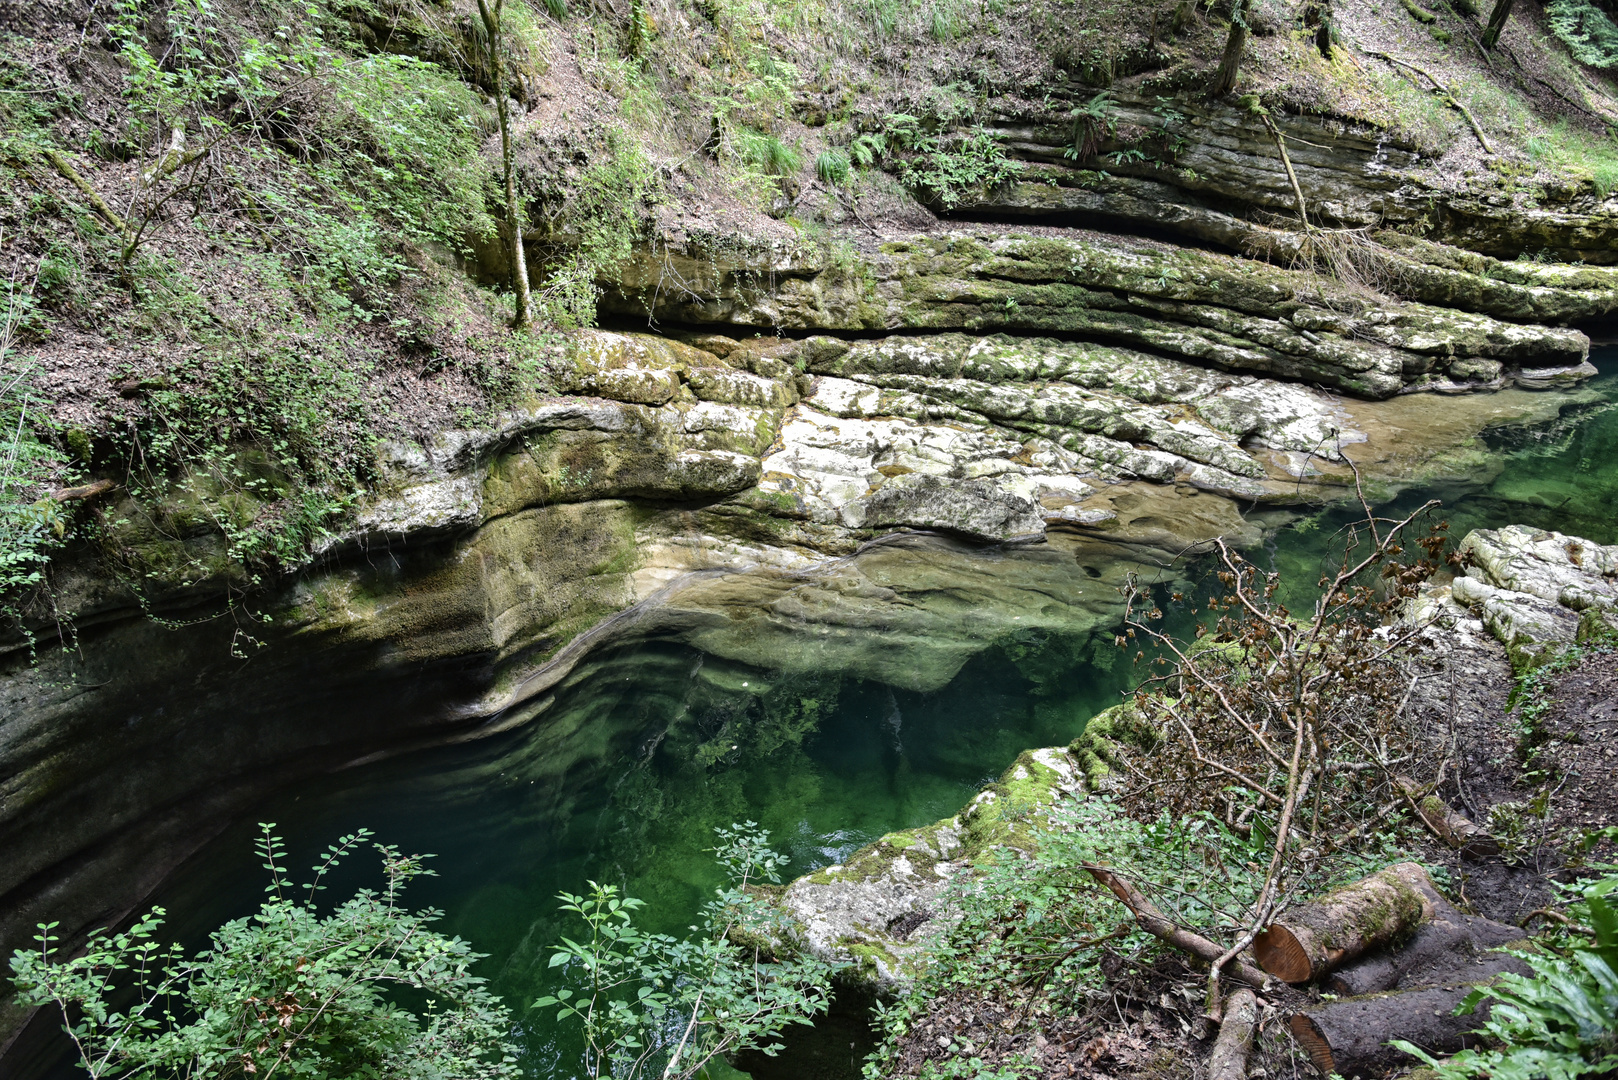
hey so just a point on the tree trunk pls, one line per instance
(1441, 953)
(1351, 1037)
(1497, 22)
(1228, 1061)
(1307, 941)
(1230, 65)
(492, 21)
(1318, 16)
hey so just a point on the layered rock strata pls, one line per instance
(821, 501)
(1214, 310)
(1206, 170)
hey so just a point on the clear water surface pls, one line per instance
(827, 763)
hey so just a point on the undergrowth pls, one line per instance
(281, 186)
(1036, 932)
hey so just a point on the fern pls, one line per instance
(832, 166)
(1589, 33)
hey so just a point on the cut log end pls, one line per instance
(1279, 952)
(1314, 1043)
(1308, 941)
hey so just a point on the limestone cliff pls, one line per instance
(919, 332)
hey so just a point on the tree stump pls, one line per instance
(1308, 941)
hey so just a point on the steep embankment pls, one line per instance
(294, 495)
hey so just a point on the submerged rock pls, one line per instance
(881, 909)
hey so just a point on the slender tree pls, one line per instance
(492, 22)
(1497, 22)
(1224, 79)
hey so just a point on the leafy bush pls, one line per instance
(945, 168)
(867, 148)
(31, 524)
(1589, 33)
(649, 1004)
(286, 990)
(1559, 1023)
(604, 214)
(1036, 926)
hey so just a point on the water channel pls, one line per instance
(651, 745)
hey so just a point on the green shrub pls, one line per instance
(1559, 1023)
(723, 988)
(867, 148)
(1589, 33)
(288, 990)
(1035, 925)
(606, 212)
(944, 168)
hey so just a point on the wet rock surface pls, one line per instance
(735, 493)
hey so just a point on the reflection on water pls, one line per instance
(626, 777)
(650, 747)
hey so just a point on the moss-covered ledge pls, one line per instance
(878, 910)
(1216, 310)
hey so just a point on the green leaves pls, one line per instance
(31, 526)
(1588, 32)
(1560, 1023)
(288, 991)
(946, 168)
(654, 1004)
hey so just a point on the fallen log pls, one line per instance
(1306, 942)
(1159, 925)
(1228, 1061)
(1457, 830)
(1350, 1037)
(86, 491)
(1451, 948)
(1449, 825)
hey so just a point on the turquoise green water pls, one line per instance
(826, 763)
(644, 753)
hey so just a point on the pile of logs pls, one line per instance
(1407, 993)
(1396, 954)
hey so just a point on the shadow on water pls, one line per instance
(650, 747)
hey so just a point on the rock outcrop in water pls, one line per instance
(725, 491)
(1525, 594)
(877, 449)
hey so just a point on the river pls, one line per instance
(663, 743)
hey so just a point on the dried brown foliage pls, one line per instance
(1294, 729)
